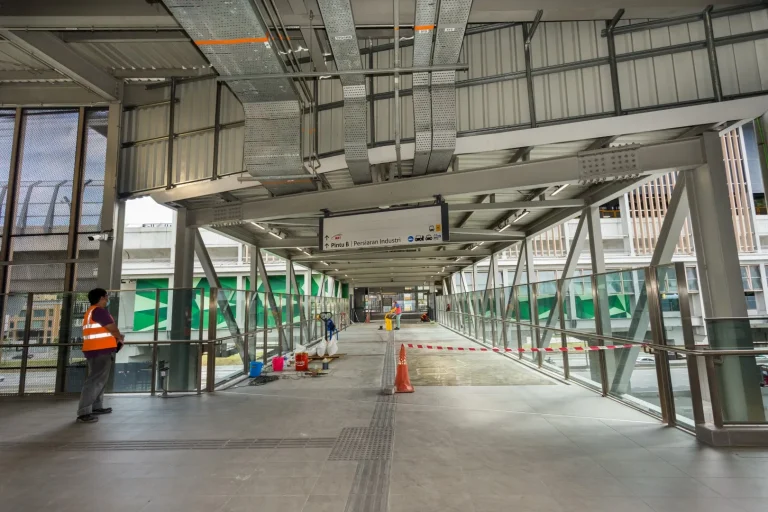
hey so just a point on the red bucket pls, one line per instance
(302, 362)
(277, 363)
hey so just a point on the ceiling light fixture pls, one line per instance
(324, 263)
(258, 226)
(559, 189)
(506, 226)
(275, 235)
(517, 219)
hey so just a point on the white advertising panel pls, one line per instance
(407, 227)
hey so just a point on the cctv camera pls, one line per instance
(101, 237)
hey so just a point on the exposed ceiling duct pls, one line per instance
(423, 32)
(449, 36)
(340, 27)
(234, 39)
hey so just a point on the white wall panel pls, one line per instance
(231, 141)
(196, 108)
(572, 93)
(501, 103)
(743, 66)
(231, 109)
(145, 123)
(193, 157)
(666, 79)
(142, 167)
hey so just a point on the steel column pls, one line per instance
(663, 376)
(70, 270)
(6, 249)
(721, 287)
(171, 126)
(112, 211)
(610, 26)
(182, 358)
(276, 312)
(714, 69)
(571, 262)
(689, 341)
(213, 282)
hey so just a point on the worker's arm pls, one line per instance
(114, 331)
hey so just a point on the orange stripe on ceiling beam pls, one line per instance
(242, 40)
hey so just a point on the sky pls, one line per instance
(146, 211)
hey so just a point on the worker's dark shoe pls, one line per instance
(87, 418)
(105, 410)
(397, 328)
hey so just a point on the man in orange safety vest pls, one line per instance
(101, 340)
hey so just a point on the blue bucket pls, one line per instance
(256, 367)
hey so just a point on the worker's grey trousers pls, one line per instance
(93, 390)
(397, 318)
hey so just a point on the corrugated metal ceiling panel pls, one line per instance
(141, 55)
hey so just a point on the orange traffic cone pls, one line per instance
(402, 380)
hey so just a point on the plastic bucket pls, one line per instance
(388, 323)
(256, 367)
(277, 363)
(302, 362)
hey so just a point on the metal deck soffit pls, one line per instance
(236, 42)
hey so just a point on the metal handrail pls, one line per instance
(622, 341)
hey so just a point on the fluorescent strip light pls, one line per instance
(324, 263)
(275, 235)
(474, 247)
(521, 216)
(560, 189)
(258, 226)
(503, 228)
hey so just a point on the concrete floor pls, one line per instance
(537, 446)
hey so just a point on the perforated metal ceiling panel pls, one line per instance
(424, 31)
(451, 24)
(233, 38)
(340, 27)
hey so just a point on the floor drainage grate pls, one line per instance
(186, 444)
(363, 443)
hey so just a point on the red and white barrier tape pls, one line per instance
(520, 350)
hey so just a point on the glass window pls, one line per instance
(750, 277)
(37, 324)
(613, 283)
(628, 282)
(751, 301)
(693, 279)
(38, 313)
(50, 323)
(547, 275)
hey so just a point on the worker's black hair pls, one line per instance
(95, 295)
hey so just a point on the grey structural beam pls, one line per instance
(409, 255)
(677, 213)
(276, 312)
(55, 53)
(517, 205)
(213, 282)
(571, 262)
(650, 158)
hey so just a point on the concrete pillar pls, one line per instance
(720, 284)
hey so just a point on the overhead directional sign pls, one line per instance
(407, 227)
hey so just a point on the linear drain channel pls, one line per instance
(187, 444)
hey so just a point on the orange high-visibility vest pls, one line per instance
(95, 335)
